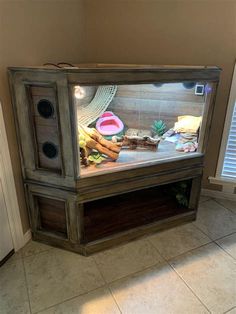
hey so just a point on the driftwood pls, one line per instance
(95, 140)
(132, 142)
(84, 153)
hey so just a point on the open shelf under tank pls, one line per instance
(119, 213)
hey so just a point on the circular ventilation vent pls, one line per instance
(45, 108)
(189, 85)
(50, 150)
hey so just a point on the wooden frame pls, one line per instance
(31, 113)
(20, 81)
(227, 183)
(77, 191)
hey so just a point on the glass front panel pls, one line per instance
(127, 126)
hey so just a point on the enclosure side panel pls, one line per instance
(45, 127)
(45, 141)
(54, 213)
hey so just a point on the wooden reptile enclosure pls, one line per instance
(87, 209)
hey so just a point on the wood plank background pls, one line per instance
(139, 105)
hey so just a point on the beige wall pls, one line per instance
(191, 32)
(32, 33)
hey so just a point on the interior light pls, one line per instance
(79, 92)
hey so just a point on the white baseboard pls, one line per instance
(218, 194)
(27, 236)
(25, 239)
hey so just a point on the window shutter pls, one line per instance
(229, 166)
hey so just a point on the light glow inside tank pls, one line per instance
(79, 92)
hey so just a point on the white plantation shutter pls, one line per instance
(229, 165)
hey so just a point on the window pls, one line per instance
(229, 163)
(226, 169)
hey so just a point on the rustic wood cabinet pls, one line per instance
(87, 208)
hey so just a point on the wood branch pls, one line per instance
(84, 153)
(94, 140)
(94, 134)
(140, 141)
(84, 159)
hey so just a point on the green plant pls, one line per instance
(159, 127)
(180, 191)
(96, 157)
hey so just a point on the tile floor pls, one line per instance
(188, 269)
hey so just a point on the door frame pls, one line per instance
(18, 237)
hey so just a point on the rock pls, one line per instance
(132, 132)
(144, 133)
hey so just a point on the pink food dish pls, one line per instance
(109, 124)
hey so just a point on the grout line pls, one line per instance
(109, 288)
(38, 253)
(157, 263)
(213, 240)
(69, 299)
(224, 250)
(231, 211)
(27, 287)
(232, 308)
(201, 202)
(168, 262)
(179, 255)
(33, 254)
(187, 285)
(107, 285)
(225, 236)
(195, 225)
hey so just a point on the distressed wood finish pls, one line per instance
(75, 212)
(54, 197)
(138, 106)
(112, 215)
(19, 82)
(45, 129)
(138, 232)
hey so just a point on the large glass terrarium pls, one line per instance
(111, 152)
(124, 126)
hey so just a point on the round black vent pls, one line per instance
(157, 84)
(45, 108)
(189, 85)
(50, 150)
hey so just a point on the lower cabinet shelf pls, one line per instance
(58, 218)
(108, 216)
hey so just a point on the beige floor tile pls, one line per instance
(13, 292)
(57, 275)
(33, 247)
(231, 205)
(203, 198)
(157, 290)
(127, 259)
(176, 241)
(215, 220)
(211, 274)
(99, 301)
(229, 244)
(16, 256)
